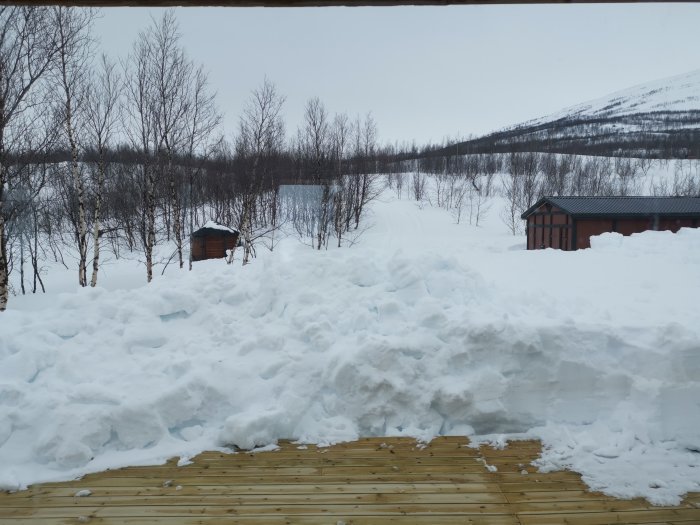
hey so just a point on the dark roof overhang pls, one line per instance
(532, 208)
(589, 207)
(213, 232)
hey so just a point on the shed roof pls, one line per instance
(212, 228)
(621, 206)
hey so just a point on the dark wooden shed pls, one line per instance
(567, 223)
(211, 241)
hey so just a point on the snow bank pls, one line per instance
(685, 243)
(424, 328)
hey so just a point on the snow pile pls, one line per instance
(424, 328)
(685, 243)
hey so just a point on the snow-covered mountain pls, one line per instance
(659, 118)
(675, 94)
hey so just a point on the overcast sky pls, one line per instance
(427, 73)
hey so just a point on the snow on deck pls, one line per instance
(371, 481)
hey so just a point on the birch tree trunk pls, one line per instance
(191, 213)
(4, 278)
(4, 271)
(74, 48)
(82, 234)
(21, 263)
(97, 220)
(176, 212)
(324, 218)
(247, 227)
(150, 221)
(35, 255)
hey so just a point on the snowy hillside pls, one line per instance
(424, 327)
(677, 93)
(656, 119)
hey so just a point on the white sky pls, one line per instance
(427, 73)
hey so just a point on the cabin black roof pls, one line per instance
(621, 206)
(213, 232)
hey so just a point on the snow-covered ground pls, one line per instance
(423, 327)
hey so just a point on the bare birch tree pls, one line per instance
(202, 120)
(24, 203)
(140, 112)
(315, 139)
(365, 150)
(75, 46)
(342, 198)
(102, 118)
(260, 138)
(27, 50)
(172, 75)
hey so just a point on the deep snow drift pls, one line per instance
(422, 328)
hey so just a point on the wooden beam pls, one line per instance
(312, 3)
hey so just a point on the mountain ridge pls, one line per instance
(682, 94)
(660, 118)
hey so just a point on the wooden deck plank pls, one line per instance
(526, 496)
(176, 498)
(329, 475)
(540, 484)
(388, 467)
(327, 519)
(374, 481)
(362, 486)
(599, 505)
(459, 453)
(605, 518)
(121, 481)
(434, 509)
(293, 488)
(378, 458)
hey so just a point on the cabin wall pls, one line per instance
(549, 227)
(633, 225)
(558, 230)
(585, 228)
(212, 246)
(676, 223)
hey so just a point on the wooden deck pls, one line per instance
(374, 481)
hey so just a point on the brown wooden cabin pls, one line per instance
(212, 241)
(567, 223)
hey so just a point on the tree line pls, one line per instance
(100, 155)
(658, 135)
(466, 184)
